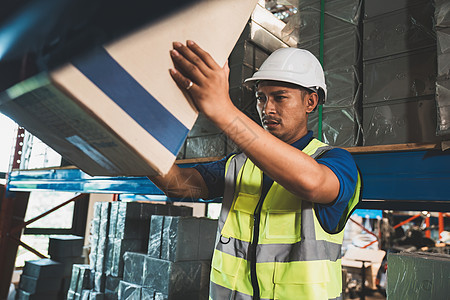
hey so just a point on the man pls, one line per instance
(286, 198)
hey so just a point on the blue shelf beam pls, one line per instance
(404, 180)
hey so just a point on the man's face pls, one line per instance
(283, 109)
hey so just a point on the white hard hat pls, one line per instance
(295, 66)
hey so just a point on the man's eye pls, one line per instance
(261, 98)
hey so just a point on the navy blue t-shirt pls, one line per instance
(338, 160)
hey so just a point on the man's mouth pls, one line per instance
(270, 123)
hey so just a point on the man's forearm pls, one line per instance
(181, 183)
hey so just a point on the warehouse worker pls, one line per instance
(286, 198)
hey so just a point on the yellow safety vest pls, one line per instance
(293, 256)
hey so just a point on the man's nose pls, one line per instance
(269, 107)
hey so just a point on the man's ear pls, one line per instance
(311, 102)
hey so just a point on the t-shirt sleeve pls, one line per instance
(214, 176)
(342, 164)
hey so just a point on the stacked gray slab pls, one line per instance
(41, 279)
(177, 263)
(341, 118)
(442, 27)
(118, 227)
(81, 283)
(399, 72)
(67, 250)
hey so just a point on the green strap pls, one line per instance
(322, 29)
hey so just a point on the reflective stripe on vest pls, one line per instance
(296, 258)
(221, 292)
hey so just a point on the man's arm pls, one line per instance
(182, 183)
(294, 170)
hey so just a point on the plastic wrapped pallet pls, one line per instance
(338, 14)
(398, 32)
(340, 125)
(417, 276)
(341, 47)
(442, 27)
(442, 13)
(182, 238)
(400, 77)
(443, 105)
(402, 121)
(129, 291)
(43, 268)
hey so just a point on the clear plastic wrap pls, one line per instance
(344, 87)
(93, 295)
(133, 267)
(129, 291)
(341, 47)
(340, 126)
(305, 25)
(112, 284)
(85, 294)
(206, 146)
(203, 126)
(400, 77)
(99, 282)
(442, 13)
(147, 294)
(443, 46)
(400, 122)
(398, 32)
(120, 247)
(100, 259)
(182, 238)
(417, 276)
(443, 105)
(155, 238)
(81, 278)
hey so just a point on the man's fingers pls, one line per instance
(183, 83)
(204, 56)
(191, 57)
(186, 67)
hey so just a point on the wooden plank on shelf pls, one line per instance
(394, 148)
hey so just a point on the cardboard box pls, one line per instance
(353, 262)
(116, 111)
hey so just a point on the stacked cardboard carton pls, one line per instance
(177, 264)
(442, 26)
(341, 63)
(399, 72)
(116, 228)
